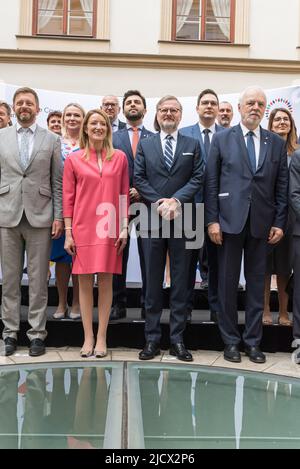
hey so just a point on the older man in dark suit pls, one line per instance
(127, 139)
(246, 208)
(168, 173)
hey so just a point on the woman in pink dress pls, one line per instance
(95, 204)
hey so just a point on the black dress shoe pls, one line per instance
(150, 351)
(232, 353)
(178, 350)
(255, 354)
(214, 316)
(37, 348)
(10, 346)
(117, 312)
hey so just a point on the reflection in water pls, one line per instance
(199, 409)
(54, 408)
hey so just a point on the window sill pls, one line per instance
(204, 43)
(63, 38)
(63, 44)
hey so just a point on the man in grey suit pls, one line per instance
(30, 213)
(294, 198)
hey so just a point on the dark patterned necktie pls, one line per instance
(251, 150)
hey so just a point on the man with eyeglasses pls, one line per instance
(110, 105)
(127, 140)
(246, 194)
(203, 131)
(168, 172)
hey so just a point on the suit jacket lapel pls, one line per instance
(264, 145)
(241, 143)
(15, 146)
(198, 136)
(159, 151)
(38, 140)
(126, 142)
(179, 148)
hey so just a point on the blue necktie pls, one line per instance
(169, 156)
(206, 141)
(251, 150)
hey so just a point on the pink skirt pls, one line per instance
(101, 258)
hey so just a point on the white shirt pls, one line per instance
(211, 133)
(130, 131)
(115, 125)
(256, 139)
(163, 137)
(30, 137)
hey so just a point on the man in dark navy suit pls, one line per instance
(246, 190)
(168, 172)
(207, 109)
(111, 106)
(127, 139)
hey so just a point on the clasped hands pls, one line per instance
(168, 208)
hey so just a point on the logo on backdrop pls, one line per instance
(278, 102)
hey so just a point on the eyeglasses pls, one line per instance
(165, 111)
(107, 105)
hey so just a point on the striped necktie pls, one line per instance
(168, 154)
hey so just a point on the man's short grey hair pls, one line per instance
(257, 89)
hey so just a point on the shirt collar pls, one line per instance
(163, 135)
(32, 127)
(212, 128)
(245, 130)
(129, 127)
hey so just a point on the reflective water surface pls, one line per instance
(184, 407)
(154, 405)
(54, 407)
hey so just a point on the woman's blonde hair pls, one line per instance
(79, 107)
(84, 140)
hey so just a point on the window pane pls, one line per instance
(80, 18)
(188, 19)
(217, 22)
(50, 17)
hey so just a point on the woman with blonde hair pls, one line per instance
(279, 261)
(95, 205)
(72, 118)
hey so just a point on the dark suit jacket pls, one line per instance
(121, 141)
(154, 181)
(294, 191)
(122, 125)
(194, 132)
(231, 188)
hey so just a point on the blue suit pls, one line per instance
(121, 141)
(246, 205)
(207, 256)
(154, 181)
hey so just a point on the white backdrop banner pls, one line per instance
(50, 100)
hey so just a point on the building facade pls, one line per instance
(159, 46)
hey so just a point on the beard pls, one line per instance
(25, 118)
(134, 117)
(168, 126)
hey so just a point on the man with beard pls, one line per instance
(246, 188)
(30, 213)
(134, 109)
(225, 114)
(168, 172)
(110, 105)
(5, 114)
